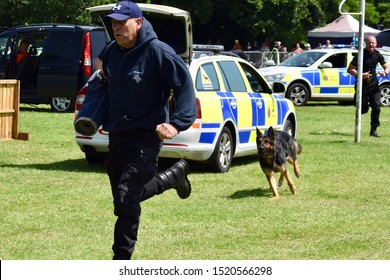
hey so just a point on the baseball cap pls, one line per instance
(124, 10)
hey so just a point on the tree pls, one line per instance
(16, 12)
(220, 21)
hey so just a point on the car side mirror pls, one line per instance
(269, 63)
(278, 87)
(326, 65)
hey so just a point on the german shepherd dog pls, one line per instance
(276, 149)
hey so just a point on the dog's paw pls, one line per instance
(294, 192)
(293, 189)
(297, 171)
(275, 197)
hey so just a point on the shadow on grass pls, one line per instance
(80, 165)
(199, 167)
(34, 108)
(332, 133)
(326, 104)
(250, 193)
(71, 165)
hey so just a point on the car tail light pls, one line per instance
(199, 111)
(80, 97)
(87, 57)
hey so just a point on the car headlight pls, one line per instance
(274, 78)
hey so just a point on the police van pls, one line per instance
(231, 96)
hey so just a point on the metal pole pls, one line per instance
(359, 68)
(358, 121)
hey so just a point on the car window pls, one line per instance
(256, 82)
(64, 44)
(169, 29)
(383, 38)
(98, 42)
(338, 60)
(231, 76)
(4, 55)
(206, 78)
(387, 59)
(304, 59)
(36, 42)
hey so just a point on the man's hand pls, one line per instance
(367, 75)
(166, 131)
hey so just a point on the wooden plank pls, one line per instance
(15, 126)
(9, 109)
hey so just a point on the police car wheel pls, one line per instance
(289, 128)
(385, 95)
(93, 159)
(62, 104)
(298, 94)
(346, 103)
(221, 158)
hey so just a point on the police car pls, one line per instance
(232, 100)
(322, 75)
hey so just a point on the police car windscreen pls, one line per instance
(304, 59)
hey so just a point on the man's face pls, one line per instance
(125, 31)
(371, 44)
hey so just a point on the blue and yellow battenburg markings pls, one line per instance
(329, 81)
(246, 110)
(228, 112)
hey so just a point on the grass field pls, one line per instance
(56, 206)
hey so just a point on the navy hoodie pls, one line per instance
(140, 82)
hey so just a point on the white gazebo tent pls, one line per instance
(340, 31)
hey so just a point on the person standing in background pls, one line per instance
(327, 45)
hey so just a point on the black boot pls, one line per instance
(176, 178)
(373, 132)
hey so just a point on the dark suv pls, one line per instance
(58, 63)
(383, 38)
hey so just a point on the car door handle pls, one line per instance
(259, 104)
(45, 67)
(233, 103)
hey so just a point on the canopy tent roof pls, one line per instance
(344, 26)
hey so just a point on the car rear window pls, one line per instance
(170, 30)
(98, 42)
(206, 78)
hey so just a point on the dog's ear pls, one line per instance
(258, 133)
(271, 132)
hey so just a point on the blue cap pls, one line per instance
(124, 10)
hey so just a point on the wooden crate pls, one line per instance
(9, 109)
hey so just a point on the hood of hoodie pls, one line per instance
(145, 34)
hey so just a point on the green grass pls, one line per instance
(56, 206)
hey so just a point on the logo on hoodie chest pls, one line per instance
(137, 76)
